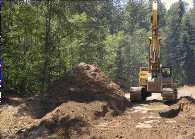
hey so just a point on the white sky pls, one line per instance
(169, 2)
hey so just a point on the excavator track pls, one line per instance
(135, 93)
(169, 95)
(139, 93)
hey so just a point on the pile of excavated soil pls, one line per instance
(123, 85)
(68, 107)
(85, 83)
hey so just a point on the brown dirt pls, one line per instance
(123, 85)
(86, 104)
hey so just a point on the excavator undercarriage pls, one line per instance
(140, 94)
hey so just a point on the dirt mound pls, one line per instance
(123, 85)
(69, 107)
(185, 107)
(85, 83)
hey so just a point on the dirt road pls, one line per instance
(154, 119)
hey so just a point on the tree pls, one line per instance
(17, 41)
(186, 50)
(171, 36)
(135, 13)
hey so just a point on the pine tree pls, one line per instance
(186, 50)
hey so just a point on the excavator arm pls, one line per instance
(154, 77)
(154, 59)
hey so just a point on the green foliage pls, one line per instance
(186, 50)
(105, 33)
(178, 49)
(125, 54)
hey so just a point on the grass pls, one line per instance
(13, 112)
(20, 124)
(10, 126)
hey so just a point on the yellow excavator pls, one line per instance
(154, 78)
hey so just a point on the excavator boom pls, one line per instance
(154, 60)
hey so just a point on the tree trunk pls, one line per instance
(59, 67)
(47, 47)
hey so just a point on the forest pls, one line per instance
(44, 40)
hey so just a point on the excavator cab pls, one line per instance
(166, 72)
(167, 80)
